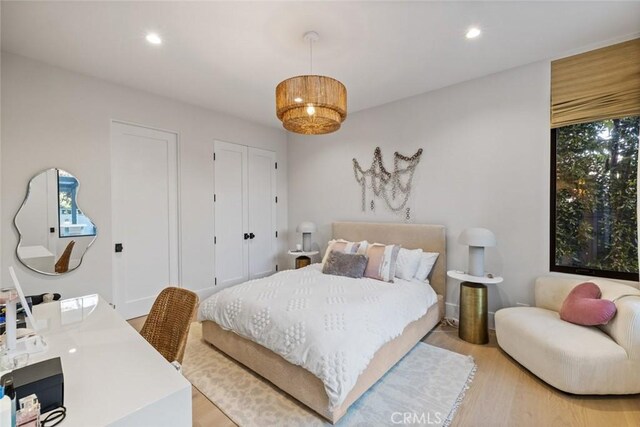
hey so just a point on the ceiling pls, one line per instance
(229, 56)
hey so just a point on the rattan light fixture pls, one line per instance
(311, 104)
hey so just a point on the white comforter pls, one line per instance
(330, 325)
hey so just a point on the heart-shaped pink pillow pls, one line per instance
(583, 306)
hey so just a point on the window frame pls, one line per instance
(583, 271)
(60, 226)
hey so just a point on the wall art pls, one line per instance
(392, 187)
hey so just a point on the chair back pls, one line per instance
(167, 325)
(62, 266)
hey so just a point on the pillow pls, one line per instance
(427, 261)
(342, 264)
(382, 261)
(340, 246)
(362, 247)
(407, 263)
(583, 306)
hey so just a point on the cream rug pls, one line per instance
(424, 388)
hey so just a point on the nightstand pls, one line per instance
(302, 258)
(474, 325)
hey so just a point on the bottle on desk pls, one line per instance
(5, 411)
(8, 405)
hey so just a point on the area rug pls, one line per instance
(424, 388)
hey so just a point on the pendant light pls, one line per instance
(311, 104)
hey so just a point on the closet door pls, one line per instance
(262, 212)
(231, 214)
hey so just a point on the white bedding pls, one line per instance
(330, 325)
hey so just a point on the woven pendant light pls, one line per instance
(311, 104)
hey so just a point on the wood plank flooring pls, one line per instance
(502, 394)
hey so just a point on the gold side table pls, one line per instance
(302, 258)
(474, 324)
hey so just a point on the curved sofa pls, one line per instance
(575, 359)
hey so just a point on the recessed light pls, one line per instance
(153, 38)
(473, 32)
(298, 99)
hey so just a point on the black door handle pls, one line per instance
(251, 235)
(119, 247)
(246, 236)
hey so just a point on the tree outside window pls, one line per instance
(594, 198)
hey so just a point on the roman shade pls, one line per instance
(596, 85)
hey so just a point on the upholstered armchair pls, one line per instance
(575, 359)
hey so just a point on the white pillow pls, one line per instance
(427, 261)
(407, 263)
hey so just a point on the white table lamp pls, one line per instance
(306, 228)
(477, 239)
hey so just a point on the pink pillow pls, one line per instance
(583, 306)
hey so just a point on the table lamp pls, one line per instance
(477, 239)
(306, 228)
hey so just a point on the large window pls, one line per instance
(594, 198)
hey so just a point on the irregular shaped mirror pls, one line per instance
(54, 232)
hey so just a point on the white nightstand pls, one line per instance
(302, 258)
(474, 325)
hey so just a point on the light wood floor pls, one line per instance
(501, 394)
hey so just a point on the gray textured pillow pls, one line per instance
(342, 264)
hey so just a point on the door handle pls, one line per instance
(119, 247)
(246, 236)
(251, 235)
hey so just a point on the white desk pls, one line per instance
(37, 257)
(112, 376)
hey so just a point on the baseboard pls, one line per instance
(453, 311)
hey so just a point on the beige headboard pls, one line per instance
(429, 238)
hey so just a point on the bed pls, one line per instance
(306, 386)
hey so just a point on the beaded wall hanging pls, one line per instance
(394, 188)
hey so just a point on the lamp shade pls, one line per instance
(306, 227)
(311, 104)
(477, 237)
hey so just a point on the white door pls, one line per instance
(262, 212)
(145, 215)
(230, 214)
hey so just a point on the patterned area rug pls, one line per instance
(425, 388)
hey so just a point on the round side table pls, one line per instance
(474, 324)
(302, 258)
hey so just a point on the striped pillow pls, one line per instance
(382, 261)
(340, 245)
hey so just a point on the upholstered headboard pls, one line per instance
(429, 238)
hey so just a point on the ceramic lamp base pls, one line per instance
(306, 242)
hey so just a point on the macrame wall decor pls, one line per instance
(394, 187)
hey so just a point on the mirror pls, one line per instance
(54, 232)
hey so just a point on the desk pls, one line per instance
(37, 257)
(112, 376)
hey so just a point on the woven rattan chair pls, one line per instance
(167, 326)
(62, 266)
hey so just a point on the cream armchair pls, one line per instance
(575, 359)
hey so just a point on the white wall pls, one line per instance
(57, 118)
(485, 164)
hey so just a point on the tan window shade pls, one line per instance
(596, 85)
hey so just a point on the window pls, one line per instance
(71, 221)
(594, 198)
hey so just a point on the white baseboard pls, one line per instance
(453, 311)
